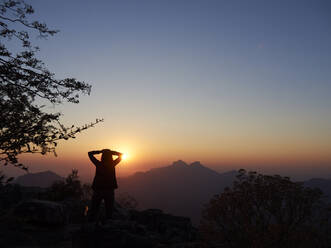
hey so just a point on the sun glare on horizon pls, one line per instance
(125, 156)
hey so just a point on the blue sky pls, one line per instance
(278, 50)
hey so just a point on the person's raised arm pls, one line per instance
(92, 158)
(119, 157)
(116, 153)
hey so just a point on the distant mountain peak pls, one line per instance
(179, 163)
(196, 163)
(42, 179)
(48, 172)
(170, 187)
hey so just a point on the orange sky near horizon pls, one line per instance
(150, 151)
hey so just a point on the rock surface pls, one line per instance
(149, 228)
(37, 223)
(42, 212)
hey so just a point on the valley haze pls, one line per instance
(180, 188)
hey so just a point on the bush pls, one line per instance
(69, 189)
(266, 211)
(10, 194)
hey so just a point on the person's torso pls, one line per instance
(105, 177)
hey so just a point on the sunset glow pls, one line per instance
(125, 156)
(210, 119)
(226, 85)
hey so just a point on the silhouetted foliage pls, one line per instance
(25, 82)
(86, 192)
(70, 188)
(4, 180)
(9, 193)
(70, 192)
(266, 211)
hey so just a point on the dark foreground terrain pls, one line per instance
(38, 223)
(257, 211)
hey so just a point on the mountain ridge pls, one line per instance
(41, 179)
(180, 188)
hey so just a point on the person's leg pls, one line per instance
(95, 206)
(109, 203)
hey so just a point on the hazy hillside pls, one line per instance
(179, 189)
(323, 184)
(182, 189)
(41, 179)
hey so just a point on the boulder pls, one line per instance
(149, 228)
(171, 228)
(120, 212)
(114, 233)
(42, 212)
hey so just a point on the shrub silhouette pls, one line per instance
(266, 211)
(70, 188)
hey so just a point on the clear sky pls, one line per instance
(229, 83)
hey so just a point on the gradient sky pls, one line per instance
(229, 83)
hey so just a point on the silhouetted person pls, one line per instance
(104, 182)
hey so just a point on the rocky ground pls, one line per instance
(36, 223)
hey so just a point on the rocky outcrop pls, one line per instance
(171, 229)
(149, 228)
(36, 223)
(42, 212)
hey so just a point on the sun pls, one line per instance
(125, 156)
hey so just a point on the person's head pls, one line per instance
(106, 156)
